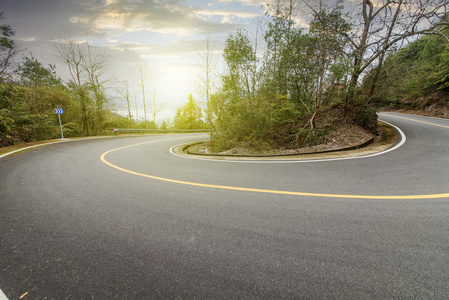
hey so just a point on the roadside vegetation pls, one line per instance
(189, 116)
(286, 84)
(415, 78)
(308, 82)
(30, 92)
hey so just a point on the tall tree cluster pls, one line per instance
(306, 71)
(88, 68)
(426, 63)
(30, 91)
(27, 106)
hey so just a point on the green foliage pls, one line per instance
(238, 53)
(239, 121)
(32, 73)
(283, 111)
(426, 65)
(27, 110)
(27, 114)
(70, 129)
(442, 75)
(263, 103)
(241, 60)
(165, 124)
(27, 106)
(189, 116)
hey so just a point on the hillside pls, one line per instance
(415, 79)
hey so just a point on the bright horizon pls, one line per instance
(164, 36)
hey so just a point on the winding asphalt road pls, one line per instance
(123, 218)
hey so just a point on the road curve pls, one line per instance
(123, 218)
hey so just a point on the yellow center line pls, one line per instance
(253, 190)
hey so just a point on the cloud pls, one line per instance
(136, 47)
(255, 2)
(226, 20)
(162, 17)
(226, 13)
(50, 18)
(79, 20)
(176, 48)
(27, 39)
(43, 19)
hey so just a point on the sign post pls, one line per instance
(59, 111)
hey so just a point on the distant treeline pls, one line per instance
(30, 91)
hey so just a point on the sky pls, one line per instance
(164, 36)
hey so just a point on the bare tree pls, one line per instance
(382, 26)
(141, 77)
(155, 109)
(207, 61)
(8, 48)
(135, 103)
(88, 68)
(256, 34)
(71, 52)
(96, 64)
(124, 92)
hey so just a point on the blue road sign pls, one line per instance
(59, 111)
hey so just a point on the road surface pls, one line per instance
(123, 218)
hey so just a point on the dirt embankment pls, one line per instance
(432, 105)
(348, 137)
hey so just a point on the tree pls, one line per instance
(95, 64)
(26, 113)
(304, 70)
(33, 73)
(384, 26)
(88, 68)
(278, 40)
(124, 92)
(207, 62)
(290, 68)
(141, 77)
(255, 102)
(425, 62)
(155, 109)
(8, 48)
(442, 80)
(189, 116)
(72, 53)
(241, 61)
(165, 124)
(326, 28)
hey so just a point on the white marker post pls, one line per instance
(59, 111)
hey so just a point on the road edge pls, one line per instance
(362, 150)
(2, 296)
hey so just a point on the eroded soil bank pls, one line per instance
(343, 139)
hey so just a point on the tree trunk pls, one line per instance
(359, 53)
(384, 49)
